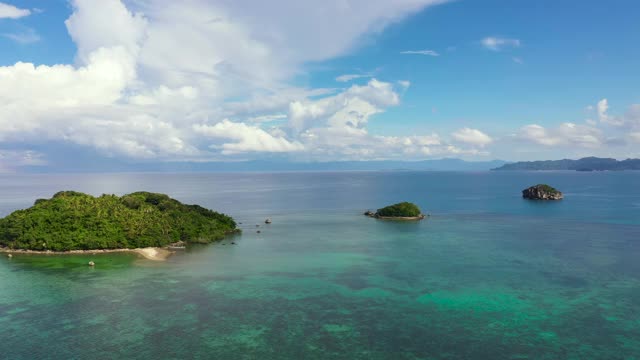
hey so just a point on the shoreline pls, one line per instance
(151, 253)
(399, 218)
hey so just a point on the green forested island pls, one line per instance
(584, 164)
(76, 221)
(403, 210)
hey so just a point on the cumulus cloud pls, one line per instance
(630, 119)
(246, 138)
(195, 80)
(335, 127)
(351, 108)
(91, 29)
(8, 11)
(420, 52)
(602, 108)
(567, 134)
(499, 43)
(472, 137)
(159, 79)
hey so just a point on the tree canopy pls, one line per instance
(76, 221)
(403, 209)
(547, 188)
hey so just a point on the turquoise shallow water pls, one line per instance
(488, 276)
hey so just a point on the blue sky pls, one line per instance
(155, 80)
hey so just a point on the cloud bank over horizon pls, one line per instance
(195, 81)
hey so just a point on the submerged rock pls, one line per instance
(542, 192)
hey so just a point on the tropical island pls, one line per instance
(542, 192)
(73, 222)
(400, 211)
(584, 164)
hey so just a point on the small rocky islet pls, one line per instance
(400, 211)
(542, 192)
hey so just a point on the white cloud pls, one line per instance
(499, 43)
(267, 118)
(335, 127)
(8, 11)
(105, 24)
(191, 80)
(29, 36)
(517, 60)
(405, 84)
(303, 25)
(46, 88)
(10, 160)
(352, 108)
(148, 71)
(247, 138)
(566, 134)
(472, 137)
(420, 52)
(350, 77)
(602, 108)
(631, 119)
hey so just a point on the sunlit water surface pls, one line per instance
(487, 276)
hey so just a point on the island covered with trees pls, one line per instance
(400, 211)
(76, 221)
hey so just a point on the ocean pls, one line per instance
(487, 276)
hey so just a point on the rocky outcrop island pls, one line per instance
(399, 211)
(542, 192)
(73, 221)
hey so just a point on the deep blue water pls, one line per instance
(488, 276)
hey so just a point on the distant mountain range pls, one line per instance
(273, 166)
(584, 164)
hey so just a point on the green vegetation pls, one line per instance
(76, 221)
(403, 209)
(548, 189)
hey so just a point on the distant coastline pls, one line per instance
(584, 164)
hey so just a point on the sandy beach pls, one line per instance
(152, 253)
(400, 218)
